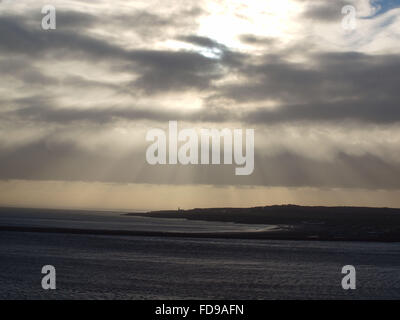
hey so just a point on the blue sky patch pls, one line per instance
(383, 6)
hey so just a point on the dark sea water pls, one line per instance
(114, 267)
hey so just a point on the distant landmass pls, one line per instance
(282, 222)
(302, 222)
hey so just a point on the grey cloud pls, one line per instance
(48, 160)
(150, 25)
(202, 41)
(223, 55)
(374, 111)
(335, 86)
(325, 11)
(18, 38)
(73, 19)
(256, 40)
(329, 87)
(166, 70)
(42, 110)
(20, 69)
(159, 70)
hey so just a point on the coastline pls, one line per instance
(261, 235)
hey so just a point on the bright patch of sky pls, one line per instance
(382, 6)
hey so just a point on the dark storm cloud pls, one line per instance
(73, 19)
(168, 70)
(342, 86)
(23, 34)
(333, 86)
(159, 70)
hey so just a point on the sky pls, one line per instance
(76, 102)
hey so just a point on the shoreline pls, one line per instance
(262, 235)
